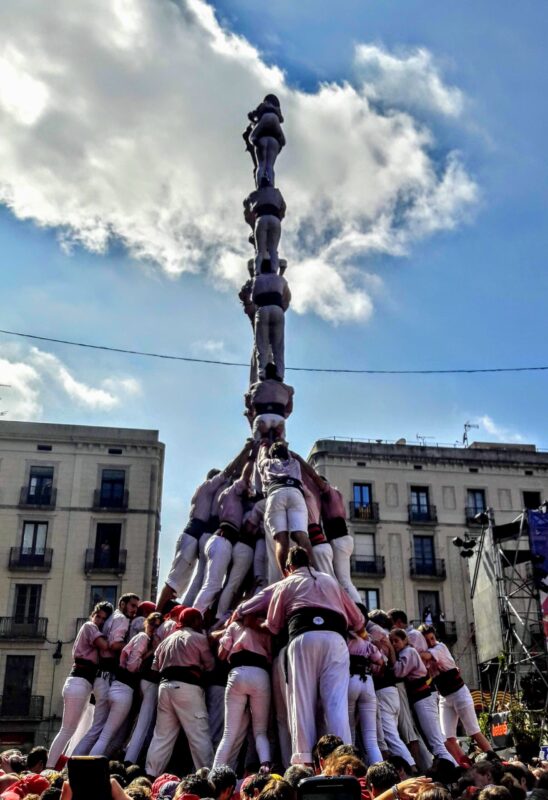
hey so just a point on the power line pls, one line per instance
(169, 357)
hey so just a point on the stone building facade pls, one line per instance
(79, 522)
(405, 505)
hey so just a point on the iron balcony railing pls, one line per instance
(27, 558)
(97, 561)
(368, 566)
(427, 568)
(21, 707)
(42, 499)
(425, 515)
(16, 628)
(446, 631)
(104, 500)
(365, 512)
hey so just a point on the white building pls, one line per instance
(79, 522)
(405, 505)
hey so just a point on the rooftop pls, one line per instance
(52, 432)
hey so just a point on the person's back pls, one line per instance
(270, 390)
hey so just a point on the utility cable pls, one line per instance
(146, 354)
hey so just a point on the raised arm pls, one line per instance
(235, 466)
(310, 471)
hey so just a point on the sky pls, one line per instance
(416, 183)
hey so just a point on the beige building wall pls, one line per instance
(100, 476)
(386, 535)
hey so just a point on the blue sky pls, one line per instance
(467, 290)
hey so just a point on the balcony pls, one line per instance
(422, 515)
(368, 566)
(364, 512)
(107, 502)
(25, 558)
(27, 708)
(14, 628)
(433, 568)
(445, 631)
(96, 561)
(470, 512)
(43, 499)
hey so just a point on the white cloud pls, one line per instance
(211, 348)
(123, 119)
(498, 431)
(34, 376)
(410, 81)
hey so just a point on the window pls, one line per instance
(362, 505)
(431, 601)
(420, 509)
(531, 500)
(107, 544)
(33, 543)
(27, 603)
(424, 551)
(370, 598)
(475, 502)
(99, 593)
(364, 547)
(113, 483)
(17, 685)
(40, 486)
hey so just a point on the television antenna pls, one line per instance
(422, 438)
(467, 427)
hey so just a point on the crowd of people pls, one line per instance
(390, 779)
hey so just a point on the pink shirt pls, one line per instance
(409, 664)
(83, 644)
(304, 590)
(416, 639)
(258, 604)
(333, 505)
(116, 630)
(131, 657)
(312, 499)
(272, 468)
(443, 658)
(167, 627)
(230, 503)
(365, 647)
(184, 648)
(241, 637)
(255, 517)
(202, 500)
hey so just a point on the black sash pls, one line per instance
(212, 524)
(334, 528)
(245, 658)
(284, 481)
(193, 675)
(316, 619)
(267, 209)
(359, 665)
(229, 532)
(315, 534)
(147, 673)
(130, 679)
(82, 668)
(385, 680)
(269, 408)
(417, 689)
(448, 682)
(268, 299)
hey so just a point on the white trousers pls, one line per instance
(242, 559)
(406, 726)
(198, 575)
(362, 710)
(268, 230)
(285, 510)
(318, 666)
(218, 555)
(427, 715)
(266, 151)
(101, 688)
(180, 705)
(270, 333)
(279, 696)
(389, 708)
(322, 556)
(343, 547)
(186, 553)
(76, 694)
(267, 422)
(458, 705)
(147, 711)
(120, 698)
(273, 570)
(245, 685)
